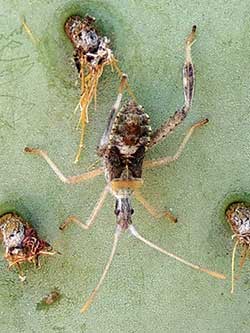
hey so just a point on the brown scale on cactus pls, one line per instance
(124, 143)
(21, 242)
(91, 54)
(238, 217)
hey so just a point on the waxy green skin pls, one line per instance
(163, 297)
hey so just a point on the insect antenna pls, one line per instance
(120, 74)
(233, 264)
(105, 271)
(156, 247)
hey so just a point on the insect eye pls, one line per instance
(132, 211)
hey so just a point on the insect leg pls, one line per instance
(105, 138)
(152, 211)
(120, 73)
(66, 180)
(159, 249)
(92, 217)
(188, 86)
(169, 159)
(105, 271)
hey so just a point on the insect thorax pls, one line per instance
(128, 141)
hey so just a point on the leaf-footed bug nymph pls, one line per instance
(21, 242)
(122, 148)
(238, 217)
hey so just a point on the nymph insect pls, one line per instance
(238, 217)
(91, 54)
(122, 148)
(21, 242)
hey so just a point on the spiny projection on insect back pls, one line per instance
(238, 217)
(21, 242)
(122, 148)
(92, 53)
